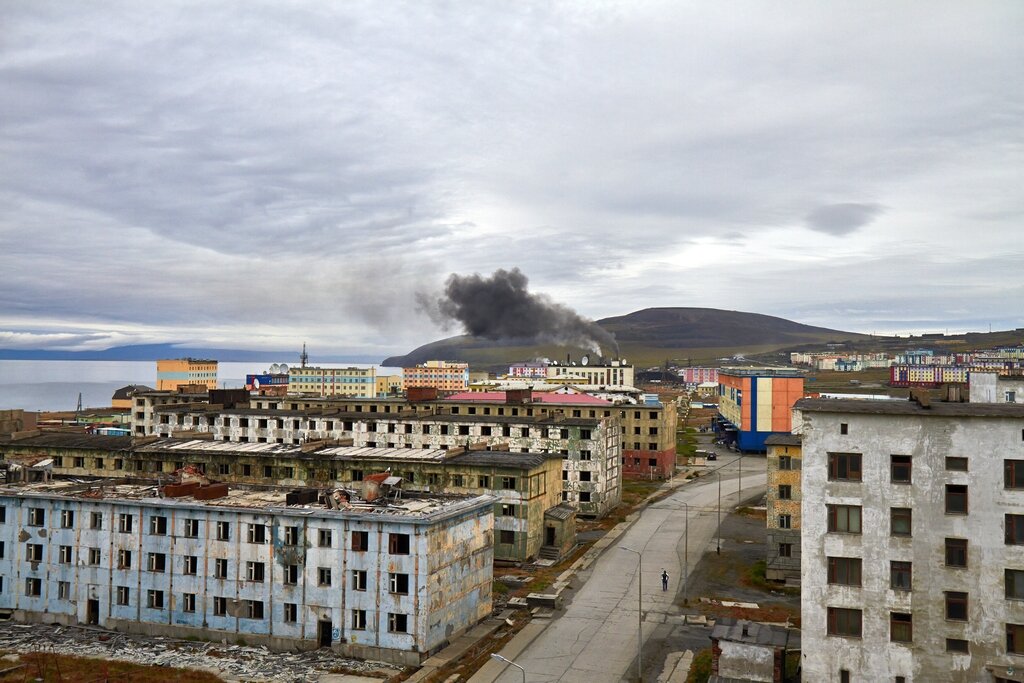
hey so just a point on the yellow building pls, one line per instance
(173, 373)
(389, 385)
(443, 375)
(783, 506)
(346, 382)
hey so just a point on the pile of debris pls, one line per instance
(233, 662)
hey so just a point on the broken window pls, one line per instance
(358, 579)
(154, 599)
(158, 525)
(220, 568)
(399, 583)
(94, 556)
(124, 523)
(65, 554)
(253, 609)
(188, 602)
(291, 535)
(220, 606)
(67, 519)
(36, 517)
(508, 483)
(191, 528)
(257, 533)
(323, 576)
(254, 571)
(291, 574)
(157, 562)
(358, 620)
(223, 531)
(360, 541)
(123, 595)
(124, 559)
(325, 539)
(398, 623)
(190, 565)
(291, 612)
(33, 587)
(34, 552)
(398, 544)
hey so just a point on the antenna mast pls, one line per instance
(304, 357)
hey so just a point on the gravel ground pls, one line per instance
(232, 662)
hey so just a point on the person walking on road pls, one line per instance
(664, 580)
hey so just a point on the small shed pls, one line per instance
(751, 652)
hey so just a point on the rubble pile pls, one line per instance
(233, 662)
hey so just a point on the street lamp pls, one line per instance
(639, 613)
(718, 532)
(495, 655)
(686, 550)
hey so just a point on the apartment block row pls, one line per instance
(392, 580)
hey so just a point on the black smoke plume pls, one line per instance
(500, 307)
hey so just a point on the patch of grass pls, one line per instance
(500, 588)
(50, 668)
(700, 668)
(755, 576)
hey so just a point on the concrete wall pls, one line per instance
(746, 662)
(929, 439)
(989, 387)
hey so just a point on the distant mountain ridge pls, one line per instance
(651, 333)
(144, 352)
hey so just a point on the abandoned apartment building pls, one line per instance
(530, 519)
(590, 448)
(391, 579)
(912, 536)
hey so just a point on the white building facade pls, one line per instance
(912, 541)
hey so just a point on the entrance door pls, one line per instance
(324, 633)
(549, 535)
(92, 612)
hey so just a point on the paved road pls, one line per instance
(595, 639)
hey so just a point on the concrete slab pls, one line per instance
(347, 678)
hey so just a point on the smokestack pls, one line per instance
(500, 307)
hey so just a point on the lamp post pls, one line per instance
(718, 532)
(639, 613)
(495, 655)
(686, 551)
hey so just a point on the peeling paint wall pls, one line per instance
(783, 513)
(929, 439)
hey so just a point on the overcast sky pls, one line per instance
(259, 174)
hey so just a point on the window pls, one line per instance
(508, 483)
(254, 571)
(785, 462)
(844, 428)
(900, 467)
(844, 466)
(63, 590)
(323, 576)
(95, 520)
(157, 562)
(223, 531)
(358, 579)
(485, 482)
(361, 541)
(785, 521)
(33, 587)
(785, 492)
(900, 521)
(508, 510)
(190, 565)
(67, 519)
(65, 554)
(458, 480)
(844, 622)
(1015, 639)
(220, 568)
(506, 537)
(253, 609)
(844, 571)
(844, 519)
(901, 627)
(325, 538)
(844, 674)
(158, 525)
(584, 496)
(957, 645)
(291, 535)
(358, 620)
(585, 455)
(291, 574)
(291, 613)
(956, 552)
(34, 552)
(398, 623)
(94, 556)
(124, 559)
(900, 577)
(785, 550)
(124, 523)
(36, 517)
(1014, 530)
(188, 602)
(257, 533)
(1014, 583)
(154, 599)
(191, 528)
(398, 544)
(956, 464)
(956, 606)
(1013, 474)
(956, 499)
(268, 471)
(399, 583)
(123, 595)
(220, 606)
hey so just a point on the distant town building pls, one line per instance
(389, 385)
(348, 381)
(391, 579)
(174, 373)
(440, 374)
(912, 540)
(122, 398)
(783, 507)
(268, 383)
(754, 403)
(698, 375)
(531, 370)
(601, 373)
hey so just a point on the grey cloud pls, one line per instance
(842, 219)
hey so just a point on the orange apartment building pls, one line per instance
(754, 403)
(173, 373)
(443, 375)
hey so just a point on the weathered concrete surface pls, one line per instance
(595, 640)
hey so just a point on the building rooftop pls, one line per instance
(910, 407)
(129, 391)
(755, 633)
(410, 506)
(783, 440)
(71, 440)
(762, 372)
(407, 415)
(540, 397)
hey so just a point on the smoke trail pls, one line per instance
(500, 307)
